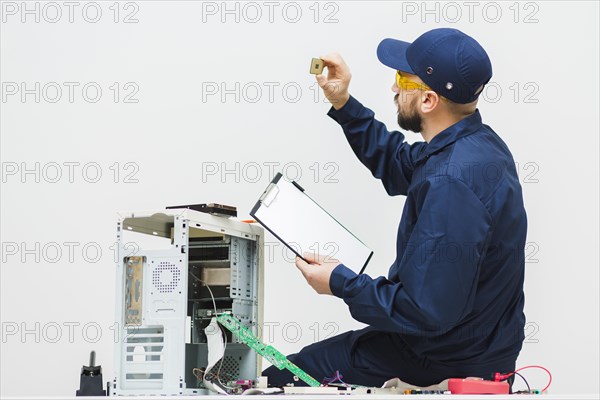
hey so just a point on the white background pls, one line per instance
(175, 144)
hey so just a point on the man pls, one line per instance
(452, 304)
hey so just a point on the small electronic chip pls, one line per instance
(316, 66)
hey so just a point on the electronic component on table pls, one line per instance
(425, 391)
(476, 386)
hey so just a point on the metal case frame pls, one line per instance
(161, 336)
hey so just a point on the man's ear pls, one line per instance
(429, 101)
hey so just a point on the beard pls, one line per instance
(411, 120)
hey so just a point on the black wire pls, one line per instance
(524, 380)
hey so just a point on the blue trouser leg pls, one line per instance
(368, 357)
(364, 357)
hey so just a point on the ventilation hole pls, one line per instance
(231, 366)
(166, 277)
(144, 376)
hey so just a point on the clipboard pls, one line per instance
(297, 221)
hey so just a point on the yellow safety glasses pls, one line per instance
(404, 83)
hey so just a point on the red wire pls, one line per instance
(534, 366)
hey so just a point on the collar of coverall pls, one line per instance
(451, 134)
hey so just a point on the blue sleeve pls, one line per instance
(385, 153)
(438, 272)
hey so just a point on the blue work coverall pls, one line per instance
(452, 304)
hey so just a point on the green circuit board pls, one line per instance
(270, 353)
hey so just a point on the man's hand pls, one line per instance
(318, 272)
(335, 85)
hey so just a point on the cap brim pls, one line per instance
(392, 52)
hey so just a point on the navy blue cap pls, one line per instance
(450, 62)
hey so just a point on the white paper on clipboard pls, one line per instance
(286, 211)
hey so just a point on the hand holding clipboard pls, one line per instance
(285, 210)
